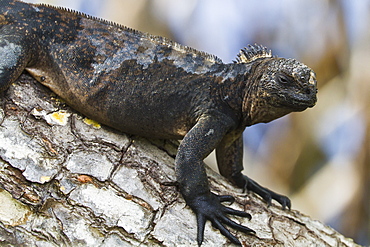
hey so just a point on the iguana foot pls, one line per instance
(251, 185)
(209, 207)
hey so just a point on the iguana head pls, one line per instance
(280, 85)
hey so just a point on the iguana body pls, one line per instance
(150, 86)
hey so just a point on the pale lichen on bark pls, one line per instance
(67, 181)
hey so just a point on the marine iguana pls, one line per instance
(151, 86)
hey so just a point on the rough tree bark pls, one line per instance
(67, 181)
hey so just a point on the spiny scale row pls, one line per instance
(252, 52)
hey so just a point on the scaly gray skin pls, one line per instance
(150, 86)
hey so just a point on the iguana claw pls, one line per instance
(249, 184)
(209, 207)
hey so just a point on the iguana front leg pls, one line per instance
(192, 177)
(14, 57)
(229, 155)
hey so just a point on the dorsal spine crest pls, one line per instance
(252, 53)
(154, 38)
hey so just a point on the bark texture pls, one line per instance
(67, 181)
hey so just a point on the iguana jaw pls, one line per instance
(300, 102)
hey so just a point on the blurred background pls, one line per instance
(321, 157)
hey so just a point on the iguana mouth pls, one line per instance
(307, 99)
(301, 104)
(310, 102)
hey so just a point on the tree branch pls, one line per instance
(68, 181)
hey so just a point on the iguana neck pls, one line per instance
(233, 86)
(239, 90)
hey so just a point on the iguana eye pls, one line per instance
(283, 79)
